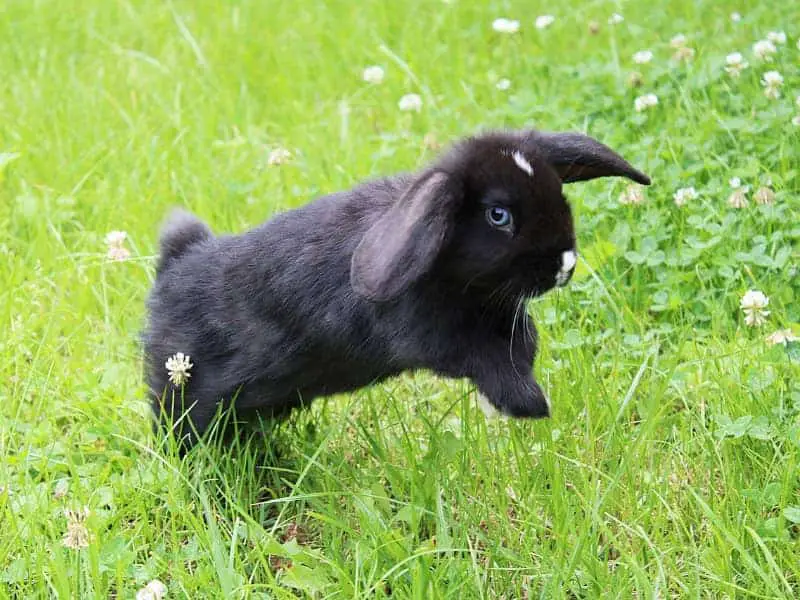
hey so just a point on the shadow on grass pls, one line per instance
(250, 464)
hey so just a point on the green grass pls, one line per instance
(670, 465)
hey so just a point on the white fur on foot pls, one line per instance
(487, 408)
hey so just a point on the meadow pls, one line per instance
(670, 467)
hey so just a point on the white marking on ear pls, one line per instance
(522, 162)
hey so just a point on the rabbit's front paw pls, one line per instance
(523, 400)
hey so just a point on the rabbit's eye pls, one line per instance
(499, 217)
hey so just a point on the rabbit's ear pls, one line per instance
(577, 157)
(402, 245)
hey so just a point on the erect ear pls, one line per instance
(577, 157)
(402, 245)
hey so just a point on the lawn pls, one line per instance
(670, 467)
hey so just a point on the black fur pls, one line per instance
(399, 273)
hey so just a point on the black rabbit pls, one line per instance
(416, 271)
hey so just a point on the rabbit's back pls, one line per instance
(271, 311)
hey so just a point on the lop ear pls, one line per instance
(403, 244)
(577, 157)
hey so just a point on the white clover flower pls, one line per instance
(155, 590)
(178, 367)
(503, 25)
(764, 50)
(753, 305)
(777, 37)
(796, 121)
(772, 78)
(632, 194)
(736, 17)
(772, 82)
(642, 57)
(615, 19)
(644, 102)
(77, 536)
(430, 141)
(764, 195)
(683, 53)
(544, 21)
(279, 156)
(782, 336)
(118, 253)
(684, 195)
(373, 74)
(503, 84)
(410, 102)
(682, 50)
(738, 198)
(115, 240)
(678, 41)
(635, 79)
(735, 183)
(735, 64)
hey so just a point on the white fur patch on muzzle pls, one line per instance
(568, 261)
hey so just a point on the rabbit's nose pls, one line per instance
(568, 261)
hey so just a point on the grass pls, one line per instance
(670, 465)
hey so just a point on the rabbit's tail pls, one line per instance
(181, 231)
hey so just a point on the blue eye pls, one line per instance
(499, 217)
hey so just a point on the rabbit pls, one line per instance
(425, 270)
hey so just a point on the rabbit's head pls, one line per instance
(489, 215)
